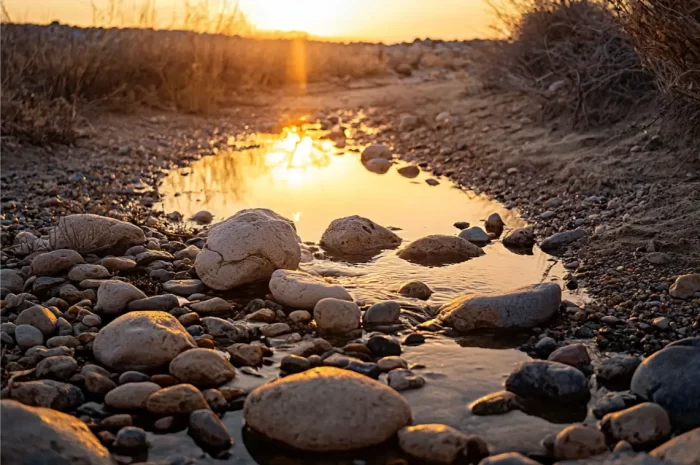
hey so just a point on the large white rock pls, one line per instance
(355, 235)
(89, 233)
(36, 435)
(113, 296)
(336, 316)
(525, 307)
(300, 290)
(685, 286)
(326, 409)
(55, 262)
(247, 247)
(439, 249)
(141, 341)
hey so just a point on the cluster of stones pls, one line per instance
(174, 357)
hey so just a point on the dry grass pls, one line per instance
(666, 34)
(573, 54)
(48, 71)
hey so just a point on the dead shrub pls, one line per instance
(572, 54)
(666, 34)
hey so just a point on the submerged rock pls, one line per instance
(439, 249)
(549, 381)
(300, 290)
(206, 428)
(34, 435)
(355, 235)
(494, 224)
(246, 248)
(416, 290)
(356, 411)
(141, 341)
(89, 233)
(496, 403)
(374, 151)
(671, 378)
(525, 307)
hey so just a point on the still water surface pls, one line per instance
(310, 180)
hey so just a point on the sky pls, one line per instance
(367, 20)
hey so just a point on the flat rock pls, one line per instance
(300, 290)
(433, 442)
(184, 287)
(113, 296)
(357, 411)
(525, 307)
(671, 379)
(180, 399)
(355, 235)
(163, 302)
(46, 436)
(549, 381)
(560, 239)
(202, 367)
(90, 233)
(130, 396)
(439, 249)
(475, 235)
(215, 305)
(120, 345)
(118, 263)
(246, 248)
(85, 271)
(55, 262)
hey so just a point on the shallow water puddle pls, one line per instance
(310, 180)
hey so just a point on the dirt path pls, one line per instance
(636, 195)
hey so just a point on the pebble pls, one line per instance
(116, 422)
(176, 400)
(202, 367)
(549, 381)
(383, 346)
(617, 371)
(130, 395)
(60, 367)
(579, 442)
(130, 437)
(302, 291)
(335, 316)
(207, 428)
(28, 336)
(54, 262)
(382, 313)
(496, 403)
(294, 364)
(245, 354)
(386, 364)
(416, 290)
(642, 425)
(402, 379)
(575, 355)
(433, 442)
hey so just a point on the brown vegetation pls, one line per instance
(571, 53)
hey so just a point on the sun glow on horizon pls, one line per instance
(314, 17)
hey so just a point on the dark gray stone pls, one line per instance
(382, 313)
(550, 381)
(383, 346)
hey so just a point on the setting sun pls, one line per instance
(315, 17)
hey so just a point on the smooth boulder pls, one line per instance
(433, 442)
(335, 316)
(356, 411)
(525, 307)
(246, 248)
(671, 378)
(202, 368)
(91, 233)
(55, 262)
(355, 235)
(522, 238)
(141, 341)
(303, 291)
(439, 249)
(35, 435)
